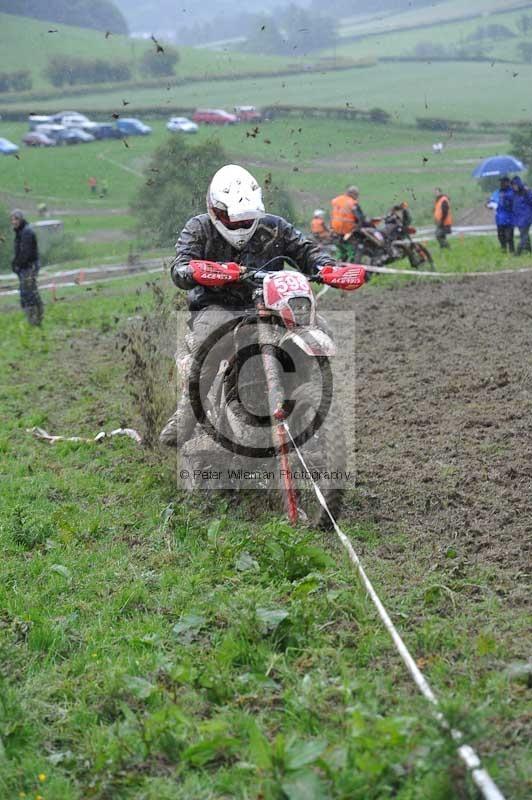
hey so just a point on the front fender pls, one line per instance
(313, 341)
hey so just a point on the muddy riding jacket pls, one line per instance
(273, 237)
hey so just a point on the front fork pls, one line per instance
(279, 411)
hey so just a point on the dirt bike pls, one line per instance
(392, 241)
(274, 388)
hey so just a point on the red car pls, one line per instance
(36, 139)
(248, 114)
(214, 116)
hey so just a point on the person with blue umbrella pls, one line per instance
(522, 213)
(497, 166)
(502, 202)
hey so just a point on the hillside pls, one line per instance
(27, 44)
(428, 15)
(486, 93)
(440, 35)
(101, 15)
(162, 648)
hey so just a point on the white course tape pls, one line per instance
(433, 274)
(70, 284)
(479, 775)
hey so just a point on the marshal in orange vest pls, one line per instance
(343, 215)
(443, 217)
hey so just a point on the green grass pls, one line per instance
(436, 13)
(406, 91)
(140, 658)
(386, 162)
(451, 34)
(26, 44)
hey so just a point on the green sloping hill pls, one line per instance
(447, 35)
(459, 91)
(27, 44)
(432, 14)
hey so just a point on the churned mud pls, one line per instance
(442, 418)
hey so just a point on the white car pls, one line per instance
(182, 124)
(71, 119)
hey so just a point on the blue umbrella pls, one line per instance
(498, 165)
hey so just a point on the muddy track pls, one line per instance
(443, 445)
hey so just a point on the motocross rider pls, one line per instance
(235, 231)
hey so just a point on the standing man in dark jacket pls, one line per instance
(236, 232)
(522, 213)
(26, 265)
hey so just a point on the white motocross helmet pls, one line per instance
(234, 203)
(319, 213)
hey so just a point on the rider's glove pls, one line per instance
(211, 273)
(348, 276)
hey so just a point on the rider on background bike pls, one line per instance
(236, 230)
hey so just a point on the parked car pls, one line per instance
(214, 116)
(78, 136)
(248, 114)
(35, 120)
(181, 124)
(132, 127)
(105, 130)
(70, 119)
(7, 147)
(64, 135)
(36, 139)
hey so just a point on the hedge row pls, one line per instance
(103, 88)
(19, 81)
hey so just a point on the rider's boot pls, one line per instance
(180, 426)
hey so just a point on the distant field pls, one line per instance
(434, 13)
(470, 91)
(312, 158)
(27, 44)
(454, 33)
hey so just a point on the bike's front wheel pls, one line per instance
(324, 454)
(420, 256)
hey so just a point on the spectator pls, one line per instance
(26, 265)
(522, 213)
(318, 226)
(443, 218)
(104, 188)
(93, 184)
(502, 201)
(346, 217)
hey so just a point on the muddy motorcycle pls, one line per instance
(384, 244)
(273, 390)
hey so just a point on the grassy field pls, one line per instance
(425, 90)
(151, 652)
(27, 44)
(451, 34)
(387, 162)
(434, 13)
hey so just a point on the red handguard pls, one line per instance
(211, 273)
(348, 276)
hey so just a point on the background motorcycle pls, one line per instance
(383, 242)
(278, 371)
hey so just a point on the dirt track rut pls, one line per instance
(444, 414)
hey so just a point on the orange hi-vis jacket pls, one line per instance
(343, 215)
(318, 227)
(443, 217)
